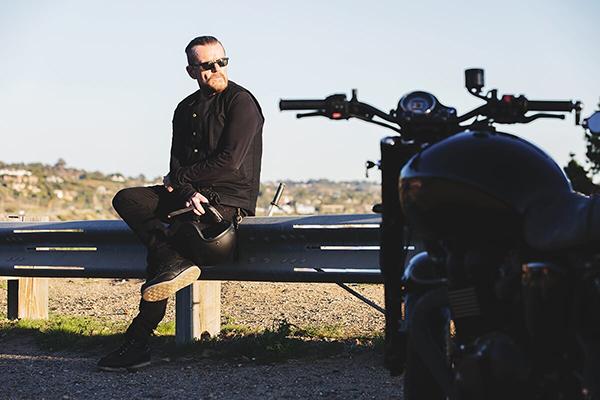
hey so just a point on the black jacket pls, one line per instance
(217, 146)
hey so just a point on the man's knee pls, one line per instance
(122, 197)
(135, 197)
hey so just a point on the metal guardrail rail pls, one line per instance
(318, 248)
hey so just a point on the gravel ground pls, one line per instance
(28, 372)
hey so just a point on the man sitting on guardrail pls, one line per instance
(215, 158)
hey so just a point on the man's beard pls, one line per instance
(216, 83)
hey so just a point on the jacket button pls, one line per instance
(195, 150)
(194, 133)
(194, 115)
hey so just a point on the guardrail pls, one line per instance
(318, 248)
(283, 249)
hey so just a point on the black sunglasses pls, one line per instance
(205, 66)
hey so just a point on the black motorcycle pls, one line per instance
(505, 301)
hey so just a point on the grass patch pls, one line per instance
(320, 332)
(235, 342)
(64, 332)
(280, 343)
(165, 329)
(229, 327)
(273, 345)
(336, 332)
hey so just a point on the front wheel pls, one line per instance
(419, 381)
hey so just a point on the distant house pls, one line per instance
(331, 209)
(18, 179)
(67, 195)
(117, 178)
(16, 175)
(305, 209)
(54, 179)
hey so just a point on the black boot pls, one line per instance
(172, 275)
(129, 356)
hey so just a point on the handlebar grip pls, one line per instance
(301, 105)
(535, 105)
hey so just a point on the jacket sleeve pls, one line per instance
(243, 120)
(186, 191)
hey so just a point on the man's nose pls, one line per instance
(215, 67)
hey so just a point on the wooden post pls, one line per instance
(198, 311)
(28, 298)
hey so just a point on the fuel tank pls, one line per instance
(476, 185)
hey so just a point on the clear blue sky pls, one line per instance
(95, 83)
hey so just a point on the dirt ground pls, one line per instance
(29, 372)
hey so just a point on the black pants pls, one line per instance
(145, 210)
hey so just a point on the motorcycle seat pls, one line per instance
(563, 221)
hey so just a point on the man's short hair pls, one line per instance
(200, 41)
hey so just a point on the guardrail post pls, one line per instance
(198, 311)
(28, 298)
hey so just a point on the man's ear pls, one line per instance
(191, 72)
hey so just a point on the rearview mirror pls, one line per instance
(593, 123)
(474, 80)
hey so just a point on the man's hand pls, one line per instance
(196, 200)
(167, 183)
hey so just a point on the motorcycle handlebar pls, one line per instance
(338, 107)
(540, 105)
(301, 105)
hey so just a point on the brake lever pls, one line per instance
(526, 120)
(312, 114)
(335, 115)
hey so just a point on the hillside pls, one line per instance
(63, 193)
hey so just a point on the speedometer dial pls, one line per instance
(418, 103)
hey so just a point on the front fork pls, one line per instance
(394, 154)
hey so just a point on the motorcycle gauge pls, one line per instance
(420, 103)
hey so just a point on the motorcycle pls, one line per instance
(505, 300)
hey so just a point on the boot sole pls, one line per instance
(130, 368)
(163, 290)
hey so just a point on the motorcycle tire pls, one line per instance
(419, 382)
